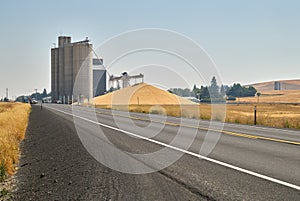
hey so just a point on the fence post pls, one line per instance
(254, 114)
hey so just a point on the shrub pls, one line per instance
(2, 172)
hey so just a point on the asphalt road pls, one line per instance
(66, 161)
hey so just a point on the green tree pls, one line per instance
(44, 93)
(222, 91)
(239, 91)
(196, 92)
(214, 88)
(186, 92)
(204, 95)
(181, 92)
(250, 91)
(258, 95)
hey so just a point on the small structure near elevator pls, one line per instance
(125, 78)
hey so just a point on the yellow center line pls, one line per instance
(208, 129)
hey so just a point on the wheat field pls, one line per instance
(13, 123)
(272, 96)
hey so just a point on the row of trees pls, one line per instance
(38, 96)
(214, 92)
(240, 91)
(4, 99)
(183, 92)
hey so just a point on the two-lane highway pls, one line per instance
(246, 163)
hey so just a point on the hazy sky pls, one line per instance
(250, 41)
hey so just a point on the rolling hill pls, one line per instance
(289, 93)
(285, 85)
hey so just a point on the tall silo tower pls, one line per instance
(70, 61)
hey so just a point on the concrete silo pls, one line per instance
(277, 85)
(68, 62)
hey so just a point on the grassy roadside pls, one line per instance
(274, 115)
(13, 123)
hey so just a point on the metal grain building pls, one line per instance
(99, 77)
(277, 85)
(71, 70)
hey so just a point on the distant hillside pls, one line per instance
(289, 93)
(272, 96)
(285, 85)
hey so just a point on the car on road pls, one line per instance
(33, 101)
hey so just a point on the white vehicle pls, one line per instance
(33, 101)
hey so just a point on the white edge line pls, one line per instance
(188, 152)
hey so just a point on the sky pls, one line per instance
(249, 41)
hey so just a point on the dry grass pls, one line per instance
(274, 115)
(13, 124)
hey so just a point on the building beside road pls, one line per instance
(66, 61)
(72, 74)
(99, 77)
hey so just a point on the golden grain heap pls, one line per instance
(141, 94)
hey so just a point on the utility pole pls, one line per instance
(35, 94)
(7, 93)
